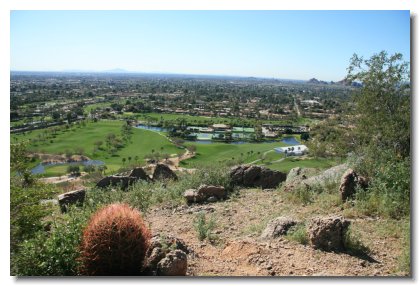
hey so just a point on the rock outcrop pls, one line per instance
(71, 198)
(139, 174)
(302, 178)
(124, 179)
(163, 172)
(350, 181)
(116, 180)
(205, 193)
(256, 176)
(328, 233)
(166, 256)
(278, 226)
(173, 264)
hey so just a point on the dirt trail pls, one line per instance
(62, 179)
(173, 163)
(239, 250)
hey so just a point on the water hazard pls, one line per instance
(40, 168)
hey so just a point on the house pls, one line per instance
(296, 150)
(220, 127)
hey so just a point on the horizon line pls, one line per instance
(123, 71)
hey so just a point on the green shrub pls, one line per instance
(404, 260)
(51, 253)
(27, 211)
(298, 233)
(301, 195)
(353, 245)
(204, 228)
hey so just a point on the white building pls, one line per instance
(296, 150)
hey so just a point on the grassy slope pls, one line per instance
(142, 142)
(207, 154)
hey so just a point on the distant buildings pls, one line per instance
(295, 150)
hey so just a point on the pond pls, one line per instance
(290, 141)
(152, 128)
(40, 168)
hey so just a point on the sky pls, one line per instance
(273, 44)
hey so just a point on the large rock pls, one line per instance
(174, 264)
(166, 256)
(350, 181)
(163, 172)
(71, 198)
(302, 177)
(299, 174)
(256, 176)
(205, 193)
(139, 174)
(124, 179)
(116, 180)
(328, 233)
(278, 226)
(211, 191)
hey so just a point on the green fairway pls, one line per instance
(81, 140)
(292, 162)
(256, 153)
(207, 154)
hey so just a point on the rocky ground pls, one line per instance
(239, 250)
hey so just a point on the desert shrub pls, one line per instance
(298, 233)
(354, 245)
(27, 211)
(74, 170)
(114, 242)
(52, 253)
(89, 168)
(404, 259)
(302, 194)
(204, 228)
(142, 195)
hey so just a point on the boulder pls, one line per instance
(116, 180)
(297, 173)
(166, 256)
(71, 198)
(256, 176)
(302, 177)
(278, 226)
(174, 264)
(211, 191)
(328, 233)
(205, 193)
(191, 196)
(163, 172)
(349, 183)
(139, 174)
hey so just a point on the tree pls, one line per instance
(73, 170)
(304, 136)
(383, 103)
(382, 130)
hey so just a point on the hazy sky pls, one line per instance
(280, 44)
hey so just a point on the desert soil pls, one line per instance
(240, 251)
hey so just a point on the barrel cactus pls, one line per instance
(114, 242)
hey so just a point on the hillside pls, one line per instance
(234, 240)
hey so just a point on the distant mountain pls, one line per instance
(346, 82)
(315, 81)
